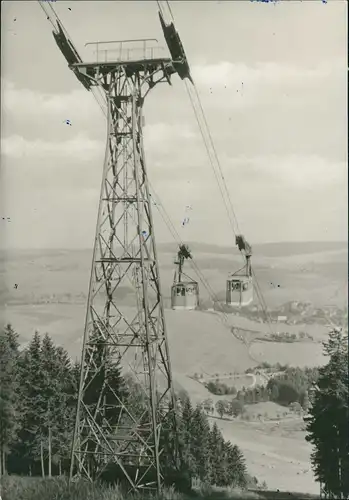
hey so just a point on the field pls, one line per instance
(51, 295)
(276, 454)
(295, 354)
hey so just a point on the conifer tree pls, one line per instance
(327, 423)
(56, 369)
(187, 416)
(236, 466)
(33, 404)
(51, 394)
(9, 401)
(216, 443)
(200, 431)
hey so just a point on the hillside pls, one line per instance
(51, 293)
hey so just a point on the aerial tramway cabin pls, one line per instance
(184, 291)
(239, 290)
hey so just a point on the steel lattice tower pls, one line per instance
(110, 431)
(125, 254)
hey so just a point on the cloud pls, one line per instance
(36, 104)
(227, 73)
(80, 147)
(162, 136)
(225, 86)
(251, 79)
(302, 172)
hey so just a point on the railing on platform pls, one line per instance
(127, 50)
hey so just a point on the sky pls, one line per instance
(273, 82)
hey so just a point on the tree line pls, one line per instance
(38, 387)
(292, 386)
(38, 396)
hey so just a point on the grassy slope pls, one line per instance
(33, 488)
(277, 454)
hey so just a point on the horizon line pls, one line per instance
(298, 242)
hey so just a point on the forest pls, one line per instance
(38, 396)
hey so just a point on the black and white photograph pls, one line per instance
(174, 250)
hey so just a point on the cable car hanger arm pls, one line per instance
(173, 41)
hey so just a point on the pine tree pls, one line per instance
(217, 464)
(177, 461)
(327, 423)
(200, 430)
(235, 466)
(51, 395)
(187, 416)
(56, 370)
(9, 401)
(30, 446)
(12, 338)
(67, 421)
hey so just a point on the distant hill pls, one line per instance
(310, 272)
(280, 249)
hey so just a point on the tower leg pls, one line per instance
(125, 323)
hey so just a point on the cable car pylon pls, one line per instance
(124, 253)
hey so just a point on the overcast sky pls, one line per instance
(272, 78)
